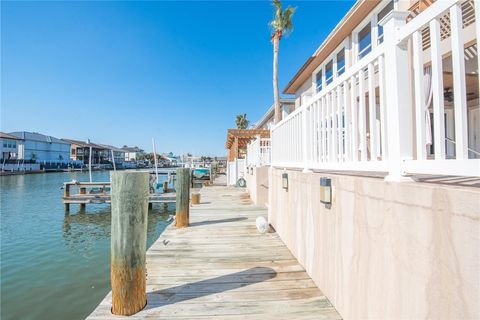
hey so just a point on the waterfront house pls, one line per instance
(41, 148)
(132, 153)
(373, 182)
(8, 146)
(236, 145)
(80, 151)
(118, 153)
(266, 121)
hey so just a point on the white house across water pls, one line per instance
(373, 181)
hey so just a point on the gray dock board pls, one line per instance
(221, 267)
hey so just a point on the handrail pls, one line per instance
(424, 18)
(363, 63)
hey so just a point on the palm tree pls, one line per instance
(241, 121)
(281, 24)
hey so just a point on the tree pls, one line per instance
(241, 121)
(281, 24)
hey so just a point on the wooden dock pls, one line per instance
(221, 267)
(87, 195)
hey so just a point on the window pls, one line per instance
(329, 72)
(14, 144)
(318, 80)
(341, 62)
(73, 151)
(380, 16)
(5, 143)
(365, 41)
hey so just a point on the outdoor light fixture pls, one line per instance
(285, 181)
(325, 190)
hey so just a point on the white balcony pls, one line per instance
(404, 108)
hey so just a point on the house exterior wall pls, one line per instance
(8, 148)
(384, 250)
(257, 184)
(44, 151)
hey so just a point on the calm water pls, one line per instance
(56, 266)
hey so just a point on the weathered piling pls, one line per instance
(83, 191)
(195, 198)
(182, 212)
(66, 193)
(129, 193)
(165, 186)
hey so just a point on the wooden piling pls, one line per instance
(83, 191)
(183, 197)
(195, 198)
(165, 186)
(129, 194)
(66, 193)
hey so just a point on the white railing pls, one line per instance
(364, 121)
(338, 128)
(258, 152)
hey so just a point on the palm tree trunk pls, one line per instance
(276, 98)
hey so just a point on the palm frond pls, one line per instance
(282, 20)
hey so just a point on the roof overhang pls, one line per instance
(244, 136)
(343, 29)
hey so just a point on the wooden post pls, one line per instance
(83, 191)
(195, 198)
(183, 197)
(165, 186)
(130, 190)
(66, 193)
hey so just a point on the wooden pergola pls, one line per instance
(237, 140)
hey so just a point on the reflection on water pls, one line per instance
(84, 228)
(56, 265)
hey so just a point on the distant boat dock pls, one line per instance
(99, 192)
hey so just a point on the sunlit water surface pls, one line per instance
(56, 265)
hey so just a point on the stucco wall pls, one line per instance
(384, 250)
(257, 184)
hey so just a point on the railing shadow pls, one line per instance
(204, 223)
(207, 287)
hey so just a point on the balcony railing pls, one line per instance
(375, 116)
(258, 152)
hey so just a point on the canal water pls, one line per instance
(56, 265)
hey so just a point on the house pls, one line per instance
(118, 153)
(8, 146)
(374, 178)
(287, 105)
(80, 151)
(132, 153)
(41, 148)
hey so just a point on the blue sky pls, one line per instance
(123, 72)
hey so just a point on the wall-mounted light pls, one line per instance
(326, 190)
(251, 170)
(285, 181)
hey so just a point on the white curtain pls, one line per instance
(427, 81)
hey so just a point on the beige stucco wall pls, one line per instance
(257, 184)
(384, 250)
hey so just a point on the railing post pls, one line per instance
(130, 192)
(398, 97)
(182, 212)
(304, 138)
(259, 151)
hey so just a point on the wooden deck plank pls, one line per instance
(221, 267)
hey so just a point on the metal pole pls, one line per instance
(155, 159)
(113, 161)
(90, 164)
